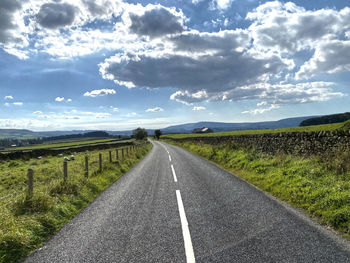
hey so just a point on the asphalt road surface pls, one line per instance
(176, 207)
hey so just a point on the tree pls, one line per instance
(157, 133)
(140, 134)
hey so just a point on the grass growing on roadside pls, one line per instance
(27, 223)
(314, 128)
(319, 187)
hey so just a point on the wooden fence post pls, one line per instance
(123, 153)
(86, 166)
(30, 183)
(110, 156)
(127, 151)
(100, 162)
(116, 154)
(65, 171)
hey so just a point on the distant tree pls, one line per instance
(327, 119)
(158, 133)
(140, 134)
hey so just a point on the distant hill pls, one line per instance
(328, 119)
(182, 128)
(222, 126)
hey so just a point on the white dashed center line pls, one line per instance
(185, 230)
(169, 158)
(174, 174)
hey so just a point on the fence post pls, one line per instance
(100, 162)
(30, 183)
(123, 153)
(65, 171)
(116, 154)
(127, 150)
(86, 166)
(110, 156)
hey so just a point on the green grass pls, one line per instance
(314, 128)
(320, 187)
(27, 223)
(76, 142)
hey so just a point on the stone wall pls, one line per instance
(302, 143)
(26, 154)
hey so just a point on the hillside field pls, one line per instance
(314, 128)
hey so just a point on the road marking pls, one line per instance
(169, 158)
(174, 174)
(185, 230)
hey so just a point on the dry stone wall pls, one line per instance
(301, 143)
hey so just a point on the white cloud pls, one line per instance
(9, 97)
(261, 110)
(198, 108)
(38, 112)
(18, 103)
(156, 109)
(131, 114)
(115, 109)
(100, 92)
(59, 99)
(223, 4)
(329, 57)
(69, 100)
(102, 115)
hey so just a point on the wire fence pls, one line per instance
(23, 177)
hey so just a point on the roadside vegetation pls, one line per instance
(314, 128)
(26, 222)
(318, 185)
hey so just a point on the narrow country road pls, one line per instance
(177, 207)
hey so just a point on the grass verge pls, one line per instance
(319, 187)
(27, 223)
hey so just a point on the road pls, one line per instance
(174, 206)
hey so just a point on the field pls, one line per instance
(63, 143)
(325, 127)
(320, 185)
(28, 221)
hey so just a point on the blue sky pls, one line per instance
(117, 65)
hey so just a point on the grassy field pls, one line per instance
(325, 127)
(27, 222)
(320, 187)
(65, 143)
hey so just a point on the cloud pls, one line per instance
(207, 68)
(18, 103)
(288, 28)
(59, 99)
(8, 97)
(156, 22)
(329, 57)
(102, 115)
(222, 4)
(38, 112)
(132, 114)
(102, 8)
(115, 109)
(156, 109)
(261, 110)
(55, 15)
(99, 92)
(69, 100)
(198, 108)
(8, 25)
(281, 94)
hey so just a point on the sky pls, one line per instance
(118, 65)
